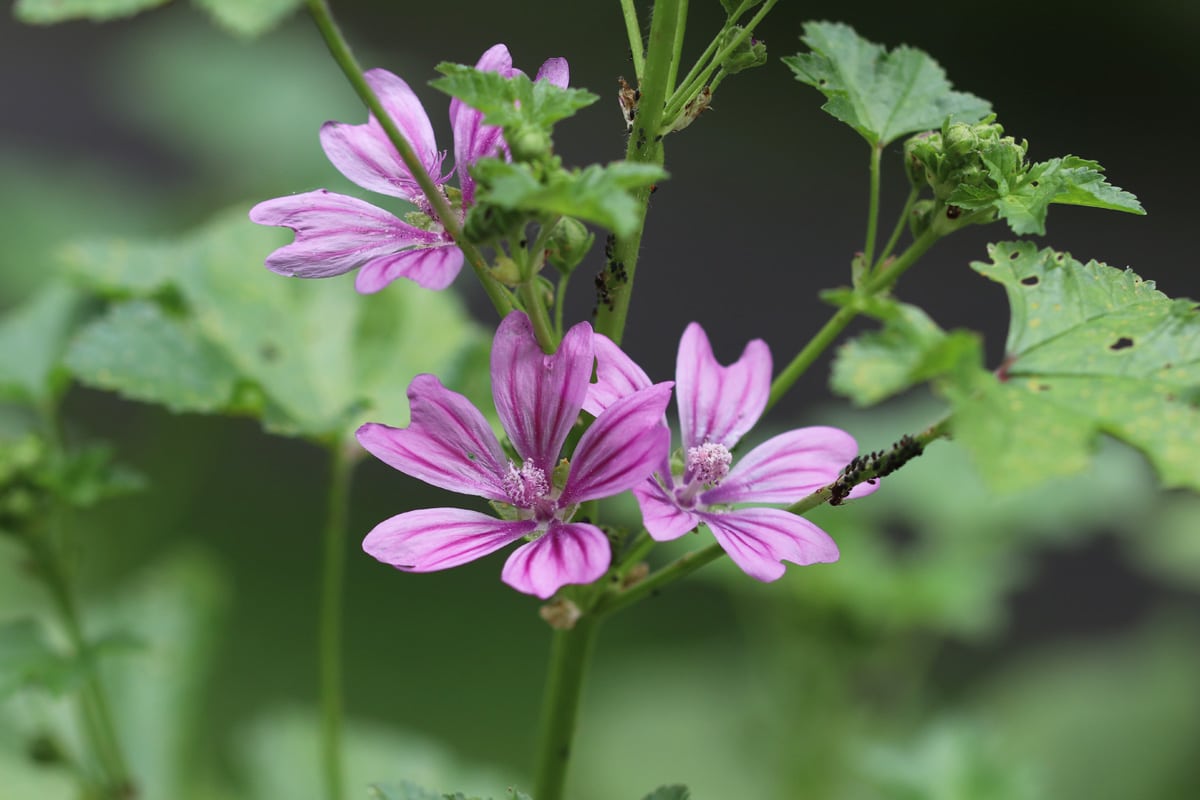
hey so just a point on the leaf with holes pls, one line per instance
(1091, 349)
(882, 95)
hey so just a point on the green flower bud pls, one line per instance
(486, 223)
(747, 55)
(921, 216)
(569, 242)
(528, 143)
(922, 154)
(506, 271)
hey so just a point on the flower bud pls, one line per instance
(506, 271)
(569, 243)
(486, 223)
(921, 216)
(528, 143)
(747, 55)
(922, 154)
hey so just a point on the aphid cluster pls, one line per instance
(873, 466)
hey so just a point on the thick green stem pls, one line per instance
(872, 207)
(530, 294)
(616, 599)
(633, 30)
(645, 147)
(878, 282)
(339, 48)
(329, 639)
(569, 658)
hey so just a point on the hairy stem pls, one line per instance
(339, 48)
(633, 30)
(330, 632)
(569, 656)
(645, 147)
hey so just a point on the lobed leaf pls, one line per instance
(511, 101)
(599, 193)
(883, 95)
(1091, 349)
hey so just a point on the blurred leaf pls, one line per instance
(280, 755)
(28, 660)
(1171, 550)
(1090, 349)
(511, 101)
(249, 18)
(139, 352)
(910, 349)
(597, 193)
(318, 357)
(882, 95)
(32, 340)
(88, 474)
(47, 12)
(675, 792)
(1106, 720)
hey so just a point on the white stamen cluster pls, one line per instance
(527, 485)
(709, 463)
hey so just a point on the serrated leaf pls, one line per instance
(139, 352)
(32, 339)
(1090, 349)
(312, 358)
(1023, 197)
(599, 193)
(910, 348)
(249, 19)
(674, 792)
(511, 101)
(48, 12)
(882, 95)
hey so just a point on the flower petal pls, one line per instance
(538, 396)
(335, 233)
(472, 139)
(572, 552)
(448, 443)
(786, 467)
(759, 539)
(622, 447)
(365, 155)
(663, 519)
(616, 376)
(719, 404)
(433, 267)
(556, 71)
(440, 538)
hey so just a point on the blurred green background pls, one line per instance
(967, 646)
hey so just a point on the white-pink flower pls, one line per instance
(717, 406)
(336, 233)
(538, 397)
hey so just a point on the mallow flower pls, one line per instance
(449, 444)
(717, 406)
(336, 233)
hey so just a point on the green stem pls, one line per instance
(878, 282)
(339, 48)
(569, 657)
(615, 599)
(633, 30)
(645, 147)
(560, 297)
(873, 207)
(677, 47)
(530, 295)
(329, 639)
(901, 224)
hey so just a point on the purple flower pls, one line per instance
(336, 233)
(717, 406)
(538, 398)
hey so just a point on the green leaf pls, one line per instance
(599, 194)
(401, 791)
(674, 792)
(32, 339)
(140, 352)
(1022, 196)
(882, 95)
(910, 348)
(511, 101)
(249, 18)
(28, 660)
(1090, 349)
(48, 12)
(312, 358)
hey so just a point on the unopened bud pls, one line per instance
(528, 143)
(569, 243)
(747, 55)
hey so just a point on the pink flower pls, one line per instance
(538, 398)
(717, 406)
(336, 233)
